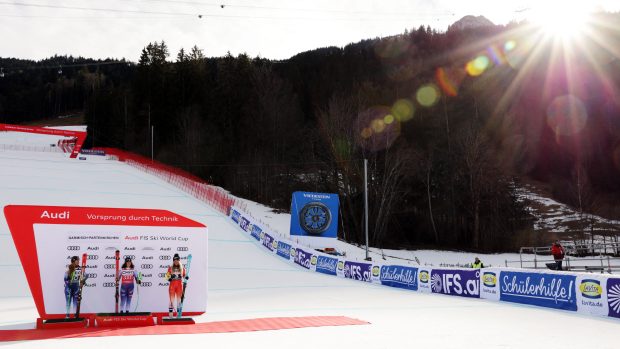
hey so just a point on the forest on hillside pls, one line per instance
(449, 122)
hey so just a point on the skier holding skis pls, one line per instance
(127, 276)
(175, 275)
(72, 283)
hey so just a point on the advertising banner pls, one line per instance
(456, 282)
(613, 297)
(357, 271)
(255, 232)
(489, 286)
(424, 278)
(302, 258)
(399, 276)
(591, 295)
(326, 265)
(284, 250)
(47, 237)
(314, 215)
(267, 241)
(551, 290)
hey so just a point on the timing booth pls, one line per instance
(49, 238)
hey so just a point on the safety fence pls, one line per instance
(215, 197)
(591, 294)
(31, 148)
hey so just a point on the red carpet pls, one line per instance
(264, 324)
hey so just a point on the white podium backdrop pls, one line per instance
(151, 249)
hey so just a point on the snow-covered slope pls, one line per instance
(246, 282)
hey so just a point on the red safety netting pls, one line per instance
(197, 187)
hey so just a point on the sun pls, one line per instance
(565, 20)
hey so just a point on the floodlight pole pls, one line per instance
(366, 205)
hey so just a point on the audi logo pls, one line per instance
(109, 266)
(94, 284)
(92, 257)
(109, 284)
(146, 266)
(91, 275)
(146, 284)
(73, 248)
(182, 249)
(164, 258)
(130, 256)
(162, 275)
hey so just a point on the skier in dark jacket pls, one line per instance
(558, 254)
(72, 283)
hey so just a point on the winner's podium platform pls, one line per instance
(62, 323)
(124, 319)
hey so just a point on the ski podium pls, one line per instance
(122, 280)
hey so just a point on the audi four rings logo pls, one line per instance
(91, 275)
(92, 257)
(146, 284)
(73, 248)
(109, 266)
(130, 256)
(164, 258)
(109, 284)
(162, 275)
(146, 266)
(180, 249)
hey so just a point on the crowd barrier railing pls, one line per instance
(215, 197)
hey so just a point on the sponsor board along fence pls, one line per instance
(592, 294)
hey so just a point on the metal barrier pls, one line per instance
(539, 257)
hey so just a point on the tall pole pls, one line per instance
(152, 131)
(366, 205)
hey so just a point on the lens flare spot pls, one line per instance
(477, 66)
(403, 110)
(366, 132)
(427, 95)
(497, 55)
(388, 119)
(448, 81)
(510, 45)
(566, 115)
(378, 125)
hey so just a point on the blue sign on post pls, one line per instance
(545, 290)
(314, 214)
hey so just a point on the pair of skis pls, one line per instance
(82, 281)
(189, 262)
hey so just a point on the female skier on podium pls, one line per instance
(175, 275)
(127, 276)
(72, 283)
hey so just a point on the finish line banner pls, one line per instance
(46, 237)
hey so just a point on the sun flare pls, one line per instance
(566, 20)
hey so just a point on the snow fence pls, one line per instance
(593, 294)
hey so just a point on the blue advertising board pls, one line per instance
(244, 223)
(545, 290)
(255, 233)
(284, 250)
(303, 258)
(235, 215)
(326, 265)
(357, 271)
(613, 297)
(268, 241)
(314, 214)
(456, 282)
(399, 276)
